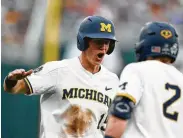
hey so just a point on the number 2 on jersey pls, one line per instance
(176, 96)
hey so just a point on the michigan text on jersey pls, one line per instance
(89, 94)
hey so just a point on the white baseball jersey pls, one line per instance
(156, 89)
(74, 102)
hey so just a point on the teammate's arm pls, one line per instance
(130, 92)
(120, 112)
(14, 82)
(115, 127)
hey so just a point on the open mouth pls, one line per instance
(100, 55)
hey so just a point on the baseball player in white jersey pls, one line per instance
(75, 93)
(150, 101)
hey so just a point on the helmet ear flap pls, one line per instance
(138, 54)
(80, 43)
(86, 43)
(111, 47)
(139, 49)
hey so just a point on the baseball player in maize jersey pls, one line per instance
(150, 99)
(75, 93)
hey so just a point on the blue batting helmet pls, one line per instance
(157, 39)
(96, 27)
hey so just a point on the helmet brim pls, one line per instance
(106, 36)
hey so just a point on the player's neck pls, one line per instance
(88, 66)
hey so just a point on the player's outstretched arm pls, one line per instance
(14, 82)
(115, 127)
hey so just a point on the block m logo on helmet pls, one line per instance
(105, 28)
(166, 34)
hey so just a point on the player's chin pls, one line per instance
(98, 62)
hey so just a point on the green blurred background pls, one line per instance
(19, 114)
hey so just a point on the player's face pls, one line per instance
(97, 50)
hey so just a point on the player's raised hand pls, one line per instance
(19, 74)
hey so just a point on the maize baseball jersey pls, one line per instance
(156, 89)
(74, 102)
